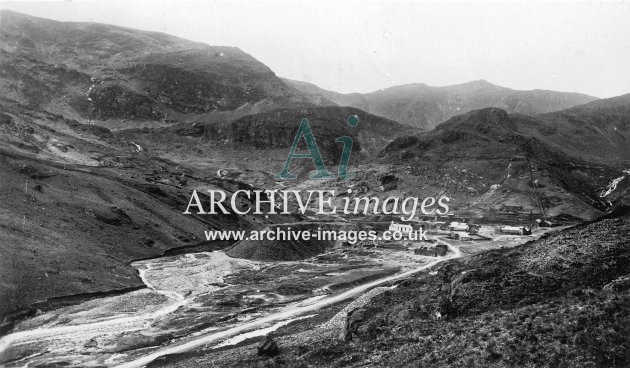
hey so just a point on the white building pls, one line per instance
(515, 230)
(460, 235)
(458, 226)
(403, 228)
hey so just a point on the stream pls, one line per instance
(201, 299)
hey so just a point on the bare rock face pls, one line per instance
(353, 320)
(114, 101)
(268, 347)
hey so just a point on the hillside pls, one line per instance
(596, 130)
(560, 300)
(557, 163)
(79, 204)
(285, 250)
(99, 72)
(261, 141)
(424, 106)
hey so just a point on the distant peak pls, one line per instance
(480, 82)
(477, 84)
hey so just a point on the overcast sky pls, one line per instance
(365, 45)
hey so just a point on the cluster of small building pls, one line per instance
(460, 229)
(455, 228)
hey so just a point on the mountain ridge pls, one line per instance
(424, 106)
(99, 71)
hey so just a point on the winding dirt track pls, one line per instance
(280, 318)
(139, 322)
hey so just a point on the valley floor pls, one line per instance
(200, 301)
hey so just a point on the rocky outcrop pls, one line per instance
(115, 101)
(268, 347)
(353, 322)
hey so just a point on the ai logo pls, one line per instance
(313, 152)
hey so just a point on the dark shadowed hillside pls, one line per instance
(262, 140)
(425, 106)
(596, 130)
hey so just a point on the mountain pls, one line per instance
(99, 71)
(325, 97)
(558, 163)
(104, 133)
(597, 131)
(424, 106)
(126, 79)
